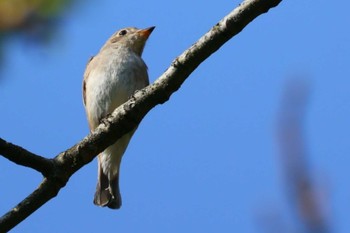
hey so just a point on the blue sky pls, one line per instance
(207, 160)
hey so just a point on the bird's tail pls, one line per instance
(107, 191)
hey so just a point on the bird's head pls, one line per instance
(130, 37)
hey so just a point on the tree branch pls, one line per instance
(46, 191)
(26, 158)
(129, 115)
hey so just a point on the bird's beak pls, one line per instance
(146, 32)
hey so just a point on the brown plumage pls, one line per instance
(110, 78)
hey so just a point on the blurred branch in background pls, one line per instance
(308, 209)
(34, 20)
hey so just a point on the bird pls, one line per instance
(111, 77)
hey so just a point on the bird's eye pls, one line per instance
(122, 32)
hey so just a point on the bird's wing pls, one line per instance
(86, 76)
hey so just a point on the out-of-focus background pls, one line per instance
(257, 140)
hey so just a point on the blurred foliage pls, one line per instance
(19, 14)
(34, 20)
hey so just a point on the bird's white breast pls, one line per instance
(115, 75)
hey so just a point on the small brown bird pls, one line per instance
(110, 79)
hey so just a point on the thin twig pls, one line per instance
(26, 158)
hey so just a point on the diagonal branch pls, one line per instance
(26, 158)
(46, 191)
(129, 115)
